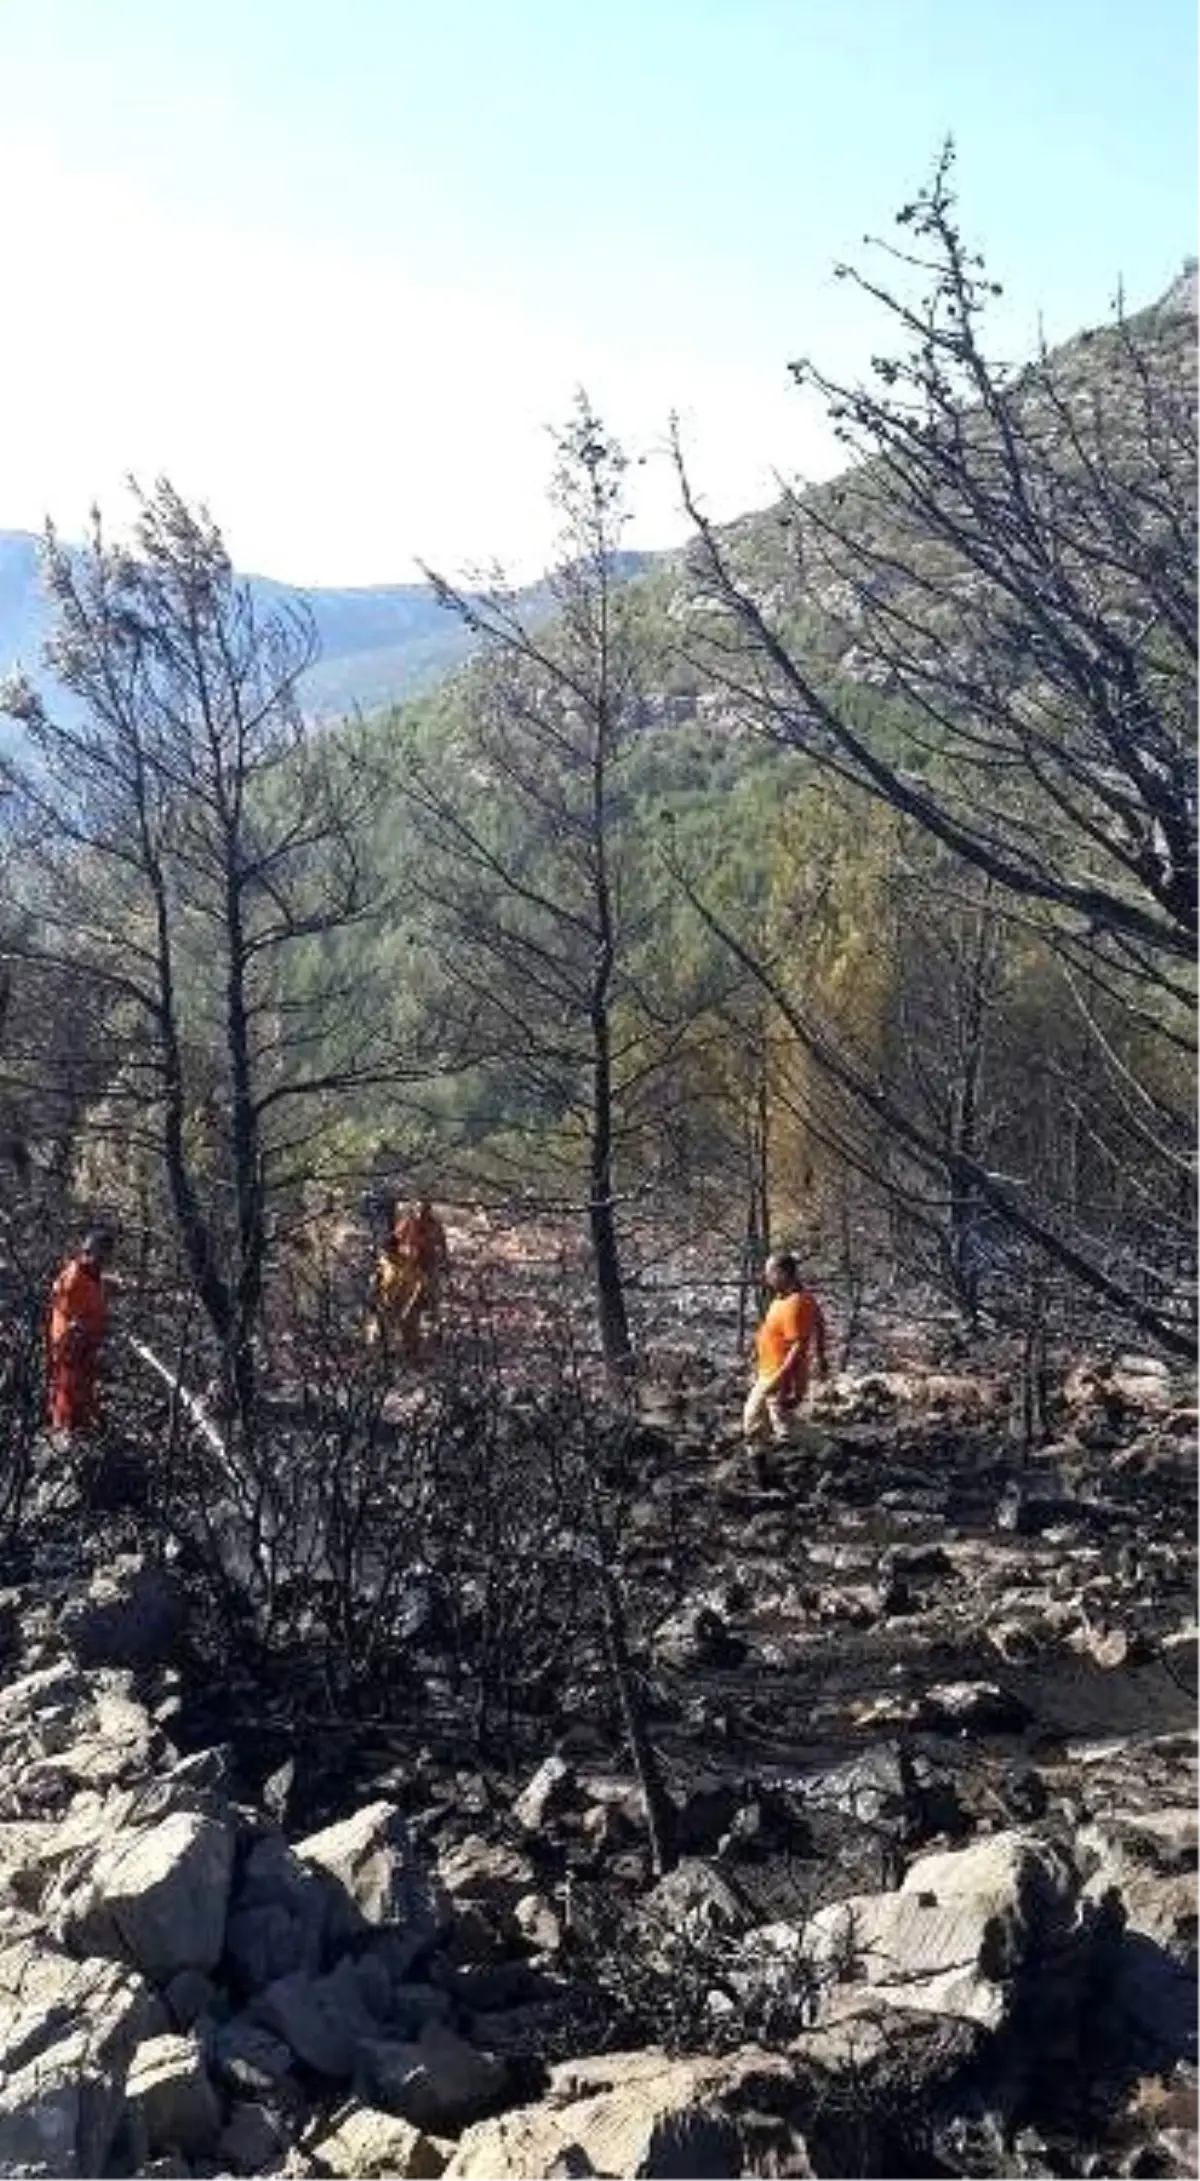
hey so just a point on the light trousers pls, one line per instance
(766, 1416)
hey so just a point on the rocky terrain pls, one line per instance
(926, 1712)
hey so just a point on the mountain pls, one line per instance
(379, 643)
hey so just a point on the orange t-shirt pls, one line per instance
(789, 1319)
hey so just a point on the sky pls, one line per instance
(337, 267)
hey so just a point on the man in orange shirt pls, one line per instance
(792, 1328)
(76, 1332)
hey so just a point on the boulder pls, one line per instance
(132, 1614)
(255, 2138)
(172, 2102)
(972, 1707)
(552, 1790)
(323, 2020)
(706, 1815)
(537, 1920)
(277, 1916)
(248, 2057)
(155, 1897)
(365, 2143)
(68, 2031)
(379, 1882)
(692, 1902)
(956, 1939)
(439, 2082)
(187, 1997)
(486, 1874)
(641, 2113)
(1145, 1860)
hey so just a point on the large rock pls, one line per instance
(323, 2020)
(437, 2082)
(957, 1936)
(172, 2102)
(132, 1614)
(365, 2143)
(62, 1729)
(380, 1883)
(68, 2031)
(1145, 1860)
(641, 2113)
(486, 1874)
(277, 1916)
(250, 2058)
(692, 1903)
(255, 2139)
(551, 1791)
(156, 1897)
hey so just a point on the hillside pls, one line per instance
(380, 643)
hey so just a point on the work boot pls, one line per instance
(763, 1474)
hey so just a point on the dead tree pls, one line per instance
(522, 829)
(190, 852)
(1008, 569)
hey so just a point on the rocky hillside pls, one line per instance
(928, 1715)
(380, 644)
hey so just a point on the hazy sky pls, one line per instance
(336, 264)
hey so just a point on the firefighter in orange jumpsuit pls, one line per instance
(410, 1279)
(76, 1332)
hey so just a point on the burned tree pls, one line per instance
(523, 856)
(988, 625)
(195, 857)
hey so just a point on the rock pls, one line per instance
(1019, 1639)
(537, 1921)
(187, 1997)
(132, 1615)
(323, 2019)
(919, 1565)
(249, 2057)
(872, 1789)
(973, 1707)
(278, 1916)
(155, 1897)
(365, 2143)
(486, 1874)
(706, 1815)
(552, 1790)
(171, 2098)
(696, 1636)
(691, 1902)
(1108, 1647)
(254, 2138)
(956, 1938)
(1146, 1860)
(641, 2113)
(68, 2031)
(381, 1883)
(438, 2082)
(1179, 1655)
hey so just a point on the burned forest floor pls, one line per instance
(363, 1884)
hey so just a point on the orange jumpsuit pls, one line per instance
(74, 1338)
(420, 1258)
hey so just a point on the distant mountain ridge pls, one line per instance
(383, 643)
(380, 643)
